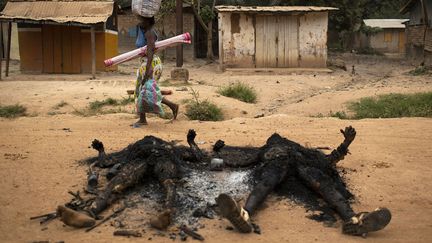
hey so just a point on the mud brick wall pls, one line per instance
(428, 43)
(415, 35)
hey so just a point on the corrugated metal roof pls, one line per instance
(386, 23)
(226, 8)
(84, 12)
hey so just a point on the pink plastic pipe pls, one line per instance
(142, 51)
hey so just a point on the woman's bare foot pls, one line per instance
(175, 111)
(141, 122)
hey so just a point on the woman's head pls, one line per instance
(145, 22)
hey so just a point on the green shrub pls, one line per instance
(12, 111)
(393, 105)
(95, 107)
(339, 114)
(388, 106)
(421, 70)
(240, 91)
(202, 110)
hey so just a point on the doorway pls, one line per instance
(61, 49)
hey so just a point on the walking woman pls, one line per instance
(150, 97)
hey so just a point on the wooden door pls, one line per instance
(71, 49)
(51, 49)
(276, 44)
(61, 49)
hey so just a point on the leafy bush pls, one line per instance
(202, 110)
(388, 106)
(393, 105)
(240, 91)
(421, 70)
(12, 111)
(95, 107)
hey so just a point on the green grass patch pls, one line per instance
(388, 106)
(421, 70)
(12, 111)
(99, 107)
(339, 114)
(240, 91)
(393, 105)
(202, 110)
(99, 104)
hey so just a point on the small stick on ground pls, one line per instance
(191, 233)
(48, 219)
(42, 216)
(127, 233)
(113, 215)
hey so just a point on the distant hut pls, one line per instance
(273, 37)
(64, 36)
(390, 38)
(419, 30)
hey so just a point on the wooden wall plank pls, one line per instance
(57, 48)
(66, 49)
(47, 49)
(259, 42)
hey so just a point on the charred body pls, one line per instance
(277, 163)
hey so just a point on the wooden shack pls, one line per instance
(391, 35)
(419, 30)
(273, 37)
(64, 36)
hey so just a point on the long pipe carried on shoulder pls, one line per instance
(142, 51)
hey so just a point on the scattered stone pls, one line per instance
(244, 112)
(180, 74)
(182, 89)
(230, 228)
(259, 115)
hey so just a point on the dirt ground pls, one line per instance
(389, 161)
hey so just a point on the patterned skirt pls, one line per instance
(149, 98)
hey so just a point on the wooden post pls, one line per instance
(8, 47)
(179, 29)
(93, 50)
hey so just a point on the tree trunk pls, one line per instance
(210, 54)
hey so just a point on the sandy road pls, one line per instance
(391, 159)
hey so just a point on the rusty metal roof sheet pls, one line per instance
(386, 23)
(83, 12)
(226, 8)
